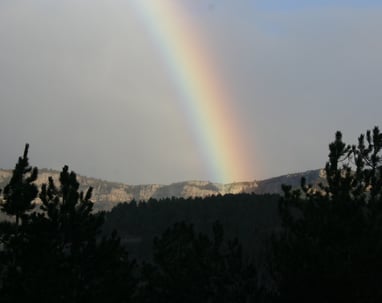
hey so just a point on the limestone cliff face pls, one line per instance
(108, 194)
(273, 185)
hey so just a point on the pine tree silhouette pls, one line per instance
(331, 244)
(56, 253)
(19, 194)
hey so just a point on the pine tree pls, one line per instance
(92, 267)
(191, 267)
(331, 244)
(20, 193)
(57, 253)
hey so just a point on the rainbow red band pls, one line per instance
(204, 97)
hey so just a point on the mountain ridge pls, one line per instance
(107, 194)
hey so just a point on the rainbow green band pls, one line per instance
(205, 99)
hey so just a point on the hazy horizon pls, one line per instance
(86, 84)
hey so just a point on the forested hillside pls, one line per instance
(249, 217)
(108, 194)
(314, 243)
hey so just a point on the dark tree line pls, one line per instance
(191, 267)
(330, 249)
(52, 252)
(249, 217)
(325, 246)
(55, 251)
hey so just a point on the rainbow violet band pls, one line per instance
(204, 97)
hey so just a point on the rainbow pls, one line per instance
(204, 97)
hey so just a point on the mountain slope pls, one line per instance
(108, 194)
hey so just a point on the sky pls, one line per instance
(91, 84)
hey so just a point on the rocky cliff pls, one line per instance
(108, 194)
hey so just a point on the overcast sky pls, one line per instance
(83, 82)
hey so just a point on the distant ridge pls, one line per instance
(107, 194)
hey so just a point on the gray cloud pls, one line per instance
(299, 76)
(84, 84)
